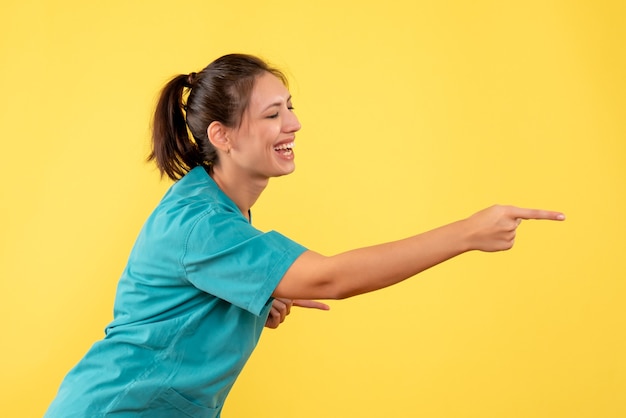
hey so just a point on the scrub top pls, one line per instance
(190, 307)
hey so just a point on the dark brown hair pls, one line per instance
(220, 92)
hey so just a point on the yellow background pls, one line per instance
(415, 114)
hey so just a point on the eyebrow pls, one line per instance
(276, 103)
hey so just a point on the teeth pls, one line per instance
(285, 146)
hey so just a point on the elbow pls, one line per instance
(336, 290)
(337, 294)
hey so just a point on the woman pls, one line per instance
(201, 282)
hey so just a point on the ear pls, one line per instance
(218, 136)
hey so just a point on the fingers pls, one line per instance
(279, 311)
(524, 213)
(494, 228)
(281, 307)
(273, 319)
(302, 303)
(520, 214)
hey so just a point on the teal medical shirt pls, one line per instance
(189, 310)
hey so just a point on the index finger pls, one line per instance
(525, 213)
(313, 304)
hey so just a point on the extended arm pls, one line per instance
(314, 276)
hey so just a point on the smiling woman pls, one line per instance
(201, 282)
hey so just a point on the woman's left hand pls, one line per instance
(282, 307)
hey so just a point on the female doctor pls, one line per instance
(201, 282)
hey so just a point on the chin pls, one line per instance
(285, 171)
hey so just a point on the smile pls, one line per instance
(285, 149)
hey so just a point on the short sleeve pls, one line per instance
(228, 258)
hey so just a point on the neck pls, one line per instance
(241, 189)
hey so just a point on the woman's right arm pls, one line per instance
(314, 276)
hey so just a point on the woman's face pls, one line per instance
(262, 147)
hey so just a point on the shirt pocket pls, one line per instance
(173, 404)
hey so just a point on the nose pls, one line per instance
(292, 124)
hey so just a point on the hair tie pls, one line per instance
(191, 78)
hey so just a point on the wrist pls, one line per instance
(465, 236)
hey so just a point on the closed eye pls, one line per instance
(275, 115)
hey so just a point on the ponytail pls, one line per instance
(173, 151)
